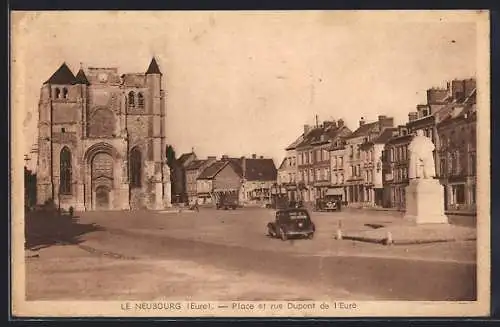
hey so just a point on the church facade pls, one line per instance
(101, 139)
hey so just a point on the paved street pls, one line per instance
(225, 255)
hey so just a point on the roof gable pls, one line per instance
(81, 78)
(260, 170)
(385, 136)
(364, 129)
(63, 75)
(153, 67)
(211, 171)
(185, 157)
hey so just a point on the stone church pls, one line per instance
(101, 139)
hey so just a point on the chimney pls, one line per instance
(225, 156)
(385, 121)
(261, 157)
(254, 156)
(436, 95)
(340, 122)
(307, 128)
(244, 166)
(361, 121)
(412, 116)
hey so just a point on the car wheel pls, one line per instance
(270, 232)
(283, 235)
(310, 236)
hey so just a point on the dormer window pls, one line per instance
(65, 93)
(57, 93)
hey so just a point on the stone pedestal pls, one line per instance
(425, 202)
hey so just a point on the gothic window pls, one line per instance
(65, 171)
(131, 98)
(135, 168)
(57, 93)
(140, 100)
(65, 93)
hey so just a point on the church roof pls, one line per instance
(153, 67)
(81, 78)
(62, 76)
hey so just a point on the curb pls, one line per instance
(384, 241)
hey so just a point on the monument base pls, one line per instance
(425, 202)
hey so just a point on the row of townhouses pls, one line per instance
(203, 181)
(368, 166)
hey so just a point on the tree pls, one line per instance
(176, 179)
(171, 161)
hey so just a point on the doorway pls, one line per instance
(102, 198)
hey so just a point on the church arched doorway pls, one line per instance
(102, 197)
(102, 180)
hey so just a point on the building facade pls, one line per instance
(395, 169)
(313, 158)
(259, 175)
(101, 139)
(338, 168)
(288, 171)
(359, 189)
(372, 158)
(458, 155)
(218, 179)
(448, 118)
(193, 171)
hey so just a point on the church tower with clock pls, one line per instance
(101, 139)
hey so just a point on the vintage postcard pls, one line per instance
(250, 163)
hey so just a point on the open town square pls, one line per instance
(233, 156)
(156, 255)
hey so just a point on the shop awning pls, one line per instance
(335, 191)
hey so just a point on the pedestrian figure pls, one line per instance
(71, 211)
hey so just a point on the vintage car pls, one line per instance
(227, 202)
(291, 223)
(329, 203)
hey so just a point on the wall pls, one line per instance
(227, 178)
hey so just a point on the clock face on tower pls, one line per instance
(103, 77)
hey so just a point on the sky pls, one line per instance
(239, 83)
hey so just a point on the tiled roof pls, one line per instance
(195, 164)
(295, 143)
(364, 129)
(153, 67)
(282, 165)
(184, 157)
(236, 164)
(449, 112)
(62, 76)
(81, 78)
(321, 135)
(385, 136)
(211, 171)
(260, 170)
(399, 138)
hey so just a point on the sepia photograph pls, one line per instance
(250, 163)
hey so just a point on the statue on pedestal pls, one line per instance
(424, 194)
(421, 157)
